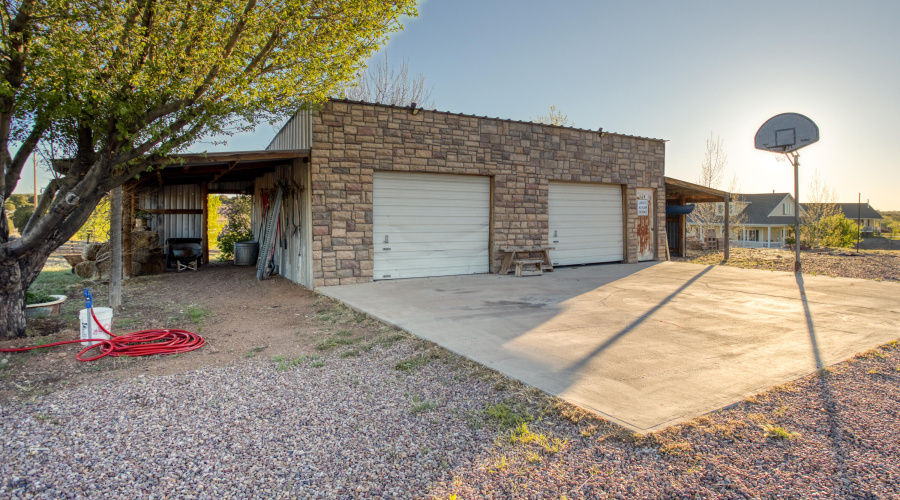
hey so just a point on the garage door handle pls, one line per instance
(386, 248)
(555, 241)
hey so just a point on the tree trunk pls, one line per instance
(15, 278)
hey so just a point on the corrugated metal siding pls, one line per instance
(296, 133)
(295, 221)
(174, 197)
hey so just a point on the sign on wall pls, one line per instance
(643, 208)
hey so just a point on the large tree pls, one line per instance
(115, 86)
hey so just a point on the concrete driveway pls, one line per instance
(645, 345)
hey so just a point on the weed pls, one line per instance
(344, 333)
(253, 352)
(779, 433)
(497, 464)
(196, 313)
(409, 364)
(508, 416)
(55, 281)
(285, 364)
(825, 372)
(352, 353)
(677, 448)
(419, 405)
(317, 364)
(873, 371)
(333, 341)
(523, 435)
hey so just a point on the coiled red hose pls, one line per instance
(142, 343)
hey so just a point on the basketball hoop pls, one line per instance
(786, 133)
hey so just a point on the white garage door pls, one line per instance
(585, 223)
(430, 224)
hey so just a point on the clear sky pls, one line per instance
(677, 71)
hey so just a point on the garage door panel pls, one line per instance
(435, 224)
(585, 223)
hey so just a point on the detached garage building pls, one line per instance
(372, 192)
(392, 193)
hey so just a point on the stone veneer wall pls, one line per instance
(351, 140)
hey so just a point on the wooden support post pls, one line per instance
(204, 195)
(115, 246)
(682, 231)
(127, 228)
(727, 224)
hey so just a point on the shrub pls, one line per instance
(20, 217)
(237, 227)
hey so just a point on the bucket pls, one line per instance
(104, 316)
(246, 253)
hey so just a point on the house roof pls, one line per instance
(854, 210)
(758, 207)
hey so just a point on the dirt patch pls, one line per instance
(238, 316)
(879, 265)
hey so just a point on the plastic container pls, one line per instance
(246, 253)
(104, 316)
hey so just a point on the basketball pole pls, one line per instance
(795, 160)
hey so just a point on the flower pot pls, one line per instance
(45, 309)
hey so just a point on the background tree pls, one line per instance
(553, 117)
(236, 210)
(386, 84)
(97, 226)
(817, 219)
(115, 87)
(712, 174)
(216, 221)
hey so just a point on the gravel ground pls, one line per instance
(881, 265)
(357, 427)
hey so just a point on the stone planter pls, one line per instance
(45, 309)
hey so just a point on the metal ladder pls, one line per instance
(268, 242)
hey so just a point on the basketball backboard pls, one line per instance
(786, 132)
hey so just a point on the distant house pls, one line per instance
(763, 220)
(869, 218)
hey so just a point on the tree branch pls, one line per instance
(43, 204)
(14, 168)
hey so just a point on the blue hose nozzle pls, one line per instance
(88, 299)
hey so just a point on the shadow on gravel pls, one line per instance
(835, 426)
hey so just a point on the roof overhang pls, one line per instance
(222, 167)
(679, 191)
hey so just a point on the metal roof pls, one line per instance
(576, 129)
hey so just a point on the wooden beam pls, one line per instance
(204, 196)
(220, 174)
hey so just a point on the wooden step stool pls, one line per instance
(537, 263)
